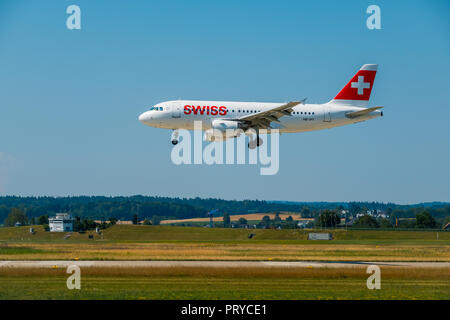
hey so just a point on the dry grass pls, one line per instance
(184, 243)
(387, 272)
(236, 217)
(249, 283)
(226, 251)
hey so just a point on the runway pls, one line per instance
(218, 264)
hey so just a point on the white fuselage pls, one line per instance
(181, 114)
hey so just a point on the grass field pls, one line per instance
(171, 233)
(129, 242)
(223, 283)
(189, 243)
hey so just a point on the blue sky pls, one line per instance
(69, 99)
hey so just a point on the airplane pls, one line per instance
(228, 119)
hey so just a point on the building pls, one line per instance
(62, 222)
(302, 224)
(320, 236)
(118, 221)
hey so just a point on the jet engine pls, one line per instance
(224, 125)
(223, 129)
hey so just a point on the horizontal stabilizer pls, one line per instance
(360, 113)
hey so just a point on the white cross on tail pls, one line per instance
(361, 85)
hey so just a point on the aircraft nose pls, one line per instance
(144, 117)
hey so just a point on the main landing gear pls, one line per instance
(253, 143)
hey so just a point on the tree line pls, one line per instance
(157, 208)
(422, 219)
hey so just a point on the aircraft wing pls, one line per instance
(360, 113)
(262, 120)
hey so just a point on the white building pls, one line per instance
(63, 222)
(320, 236)
(302, 224)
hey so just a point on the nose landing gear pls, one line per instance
(175, 137)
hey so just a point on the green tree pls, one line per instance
(226, 220)
(242, 221)
(328, 219)
(77, 226)
(266, 222)
(156, 220)
(43, 219)
(366, 221)
(305, 213)
(425, 220)
(16, 215)
(135, 219)
(88, 224)
(289, 219)
(112, 220)
(384, 223)
(277, 217)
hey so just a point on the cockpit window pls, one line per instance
(155, 109)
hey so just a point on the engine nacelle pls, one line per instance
(224, 125)
(222, 130)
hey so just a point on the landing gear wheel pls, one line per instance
(252, 144)
(259, 141)
(255, 143)
(175, 137)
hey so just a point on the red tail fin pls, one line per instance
(358, 89)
